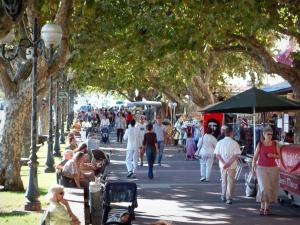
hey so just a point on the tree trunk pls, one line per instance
(25, 140)
(11, 143)
(200, 92)
(296, 89)
(43, 117)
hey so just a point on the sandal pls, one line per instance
(267, 212)
(261, 212)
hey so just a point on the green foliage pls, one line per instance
(127, 45)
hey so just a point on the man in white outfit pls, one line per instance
(141, 127)
(227, 152)
(131, 134)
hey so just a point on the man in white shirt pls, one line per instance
(227, 151)
(131, 134)
(141, 127)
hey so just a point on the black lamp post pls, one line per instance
(51, 37)
(56, 142)
(68, 111)
(62, 128)
(49, 161)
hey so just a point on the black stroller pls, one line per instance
(101, 160)
(119, 192)
(105, 135)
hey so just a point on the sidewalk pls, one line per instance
(176, 194)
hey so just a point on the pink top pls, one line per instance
(264, 160)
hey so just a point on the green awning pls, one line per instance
(256, 99)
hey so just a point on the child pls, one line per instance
(123, 218)
(190, 146)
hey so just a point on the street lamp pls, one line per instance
(51, 37)
(50, 161)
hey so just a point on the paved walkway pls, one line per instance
(176, 194)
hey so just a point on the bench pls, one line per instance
(78, 205)
(24, 161)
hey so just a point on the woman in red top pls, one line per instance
(266, 170)
(128, 118)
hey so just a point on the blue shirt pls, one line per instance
(159, 130)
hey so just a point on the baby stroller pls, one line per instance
(105, 135)
(101, 160)
(116, 193)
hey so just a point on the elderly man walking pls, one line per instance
(160, 131)
(227, 151)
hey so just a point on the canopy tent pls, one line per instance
(143, 103)
(254, 100)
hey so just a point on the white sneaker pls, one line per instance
(202, 179)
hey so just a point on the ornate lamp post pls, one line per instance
(51, 37)
(49, 161)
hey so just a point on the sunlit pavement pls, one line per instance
(176, 194)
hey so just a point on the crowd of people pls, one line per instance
(144, 137)
(227, 151)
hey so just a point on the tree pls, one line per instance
(149, 45)
(15, 81)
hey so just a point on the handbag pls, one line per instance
(198, 152)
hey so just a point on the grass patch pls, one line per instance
(12, 203)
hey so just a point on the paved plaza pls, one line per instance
(177, 194)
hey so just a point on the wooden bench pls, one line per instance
(24, 161)
(78, 205)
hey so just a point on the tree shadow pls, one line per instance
(13, 213)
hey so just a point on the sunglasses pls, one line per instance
(61, 193)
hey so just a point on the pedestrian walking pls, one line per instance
(190, 147)
(160, 131)
(141, 127)
(131, 134)
(206, 146)
(151, 147)
(266, 170)
(120, 126)
(227, 151)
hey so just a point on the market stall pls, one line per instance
(253, 101)
(289, 178)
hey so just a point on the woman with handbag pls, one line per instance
(265, 168)
(206, 147)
